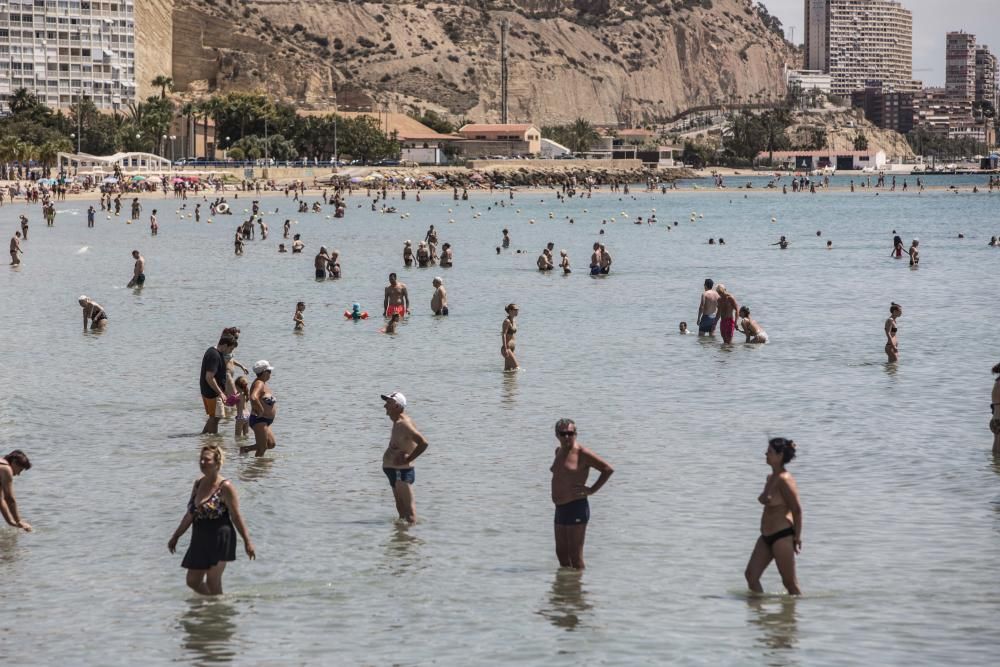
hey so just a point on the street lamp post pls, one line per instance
(172, 139)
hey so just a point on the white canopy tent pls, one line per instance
(129, 163)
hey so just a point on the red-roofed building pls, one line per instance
(523, 137)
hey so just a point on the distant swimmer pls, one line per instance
(320, 262)
(15, 249)
(138, 270)
(154, 226)
(439, 301)
(300, 322)
(212, 510)
(781, 520)
(397, 299)
(595, 259)
(505, 243)
(564, 262)
(570, 470)
(423, 255)
(995, 411)
(212, 381)
(91, 214)
(24, 227)
(544, 261)
(408, 254)
(507, 341)
(749, 327)
(683, 329)
(782, 243)
(94, 312)
(891, 332)
(333, 265)
(605, 261)
(915, 252)
(708, 309)
(12, 465)
(446, 256)
(897, 247)
(263, 410)
(728, 309)
(405, 444)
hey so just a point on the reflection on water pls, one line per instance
(208, 627)
(509, 398)
(774, 619)
(402, 550)
(255, 469)
(567, 599)
(9, 551)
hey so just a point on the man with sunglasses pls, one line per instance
(570, 471)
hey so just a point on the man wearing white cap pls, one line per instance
(405, 445)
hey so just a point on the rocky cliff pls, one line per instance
(610, 61)
(153, 43)
(841, 128)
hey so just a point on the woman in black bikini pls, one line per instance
(213, 509)
(781, 521)
(995, 411)
(263, 410)
(892, 341)
(507, 343)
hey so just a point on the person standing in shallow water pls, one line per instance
(995, 411)
(405, 444)
(507, 342)
(728, 309)
(570, 471)
(891, 331)
(781, 523)
(12, 465)
(213, 508)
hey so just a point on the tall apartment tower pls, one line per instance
(59, 49)
(987, 73)
(859, 42)
(960, 66)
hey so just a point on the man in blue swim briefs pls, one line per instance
(708, 310)
(405, 445)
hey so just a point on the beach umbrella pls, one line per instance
(110, 179)
(355, 179)
(137, 177)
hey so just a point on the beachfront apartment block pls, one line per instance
(62, 49)
(859, 41)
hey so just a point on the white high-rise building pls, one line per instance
(60, 49)
(859, 42)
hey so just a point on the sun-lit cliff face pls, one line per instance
(611, 61)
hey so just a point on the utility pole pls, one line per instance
(504, 56)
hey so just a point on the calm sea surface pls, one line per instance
(902, 519)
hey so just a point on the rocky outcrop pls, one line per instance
(610, 61)
(842, 127)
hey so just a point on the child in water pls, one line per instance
(242, 416)
(684, 329)
(390, 326)
(300, 323)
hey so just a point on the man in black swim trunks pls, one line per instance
(405, 445)
(138, 271)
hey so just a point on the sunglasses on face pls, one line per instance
(566, 434)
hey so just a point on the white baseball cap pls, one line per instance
(262, 366)
(397, 397)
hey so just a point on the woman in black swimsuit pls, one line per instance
(507, 343)
(263, 410)
(782, 519)
(213, 509)
(892, 341)
(995, 411)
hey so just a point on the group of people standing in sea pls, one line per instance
(213, 511)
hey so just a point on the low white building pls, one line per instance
(808, 79)
(553, 149)
(826, 159)
(127, 162)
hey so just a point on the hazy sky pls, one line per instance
(931, 20)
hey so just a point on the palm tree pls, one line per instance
(582, 135)
(189, 110)
(49, 151)
(21, 100)
(163, 82)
